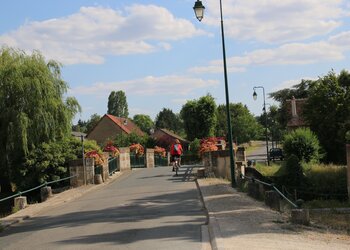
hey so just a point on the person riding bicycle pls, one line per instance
(176, 151)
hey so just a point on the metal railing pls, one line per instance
(270, 185)
(32, 189)
(113, 165)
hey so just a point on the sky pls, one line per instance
(161, 56)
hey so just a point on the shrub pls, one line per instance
(195, 146)
(302, 143)
(294, 171)
(347, 137)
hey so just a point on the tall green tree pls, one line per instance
(90, 124)
(199, 117)
(144, 122)
(117, 104)
(167, 119)
(33, 110)
(244, 125)
(327, 111)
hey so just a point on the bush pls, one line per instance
(302, 143)
(294, 171)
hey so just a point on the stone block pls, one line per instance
(272, 199)
(300, 216)
(201, 173)
(45, 193)
(20, 202)
(98, 179)
(253, 189)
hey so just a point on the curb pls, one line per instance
(12, 219)
(212, 225)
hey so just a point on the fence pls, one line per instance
(137, 161)
(252, 179)
(40, 186)
(113, 165)
(160, 161)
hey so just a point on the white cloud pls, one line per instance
(276, 21)
(150, 85)
(94, 32)
(287, 54)
(291, 83)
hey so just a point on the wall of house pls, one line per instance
(104, 131)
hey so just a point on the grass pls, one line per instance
(268, 171)
(326, 204)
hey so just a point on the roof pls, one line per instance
(78, 134)
(125, 124)
(168, 132)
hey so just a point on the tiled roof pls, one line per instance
(126, 124)
(173, 135)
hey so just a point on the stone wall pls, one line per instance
(76, 167)
(217, 163)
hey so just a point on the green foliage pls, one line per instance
(195, 146)
(347, 136)
(199, 117)
(50, 161)
(244, 126)
(125, 140)
(328, 113)
(328, 181)
(169, 120)
(91, 123)
(294, 171)
(144, 122)
(33, 110)
(303, 144)
(117, 104)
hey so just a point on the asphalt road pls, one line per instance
(144, 209)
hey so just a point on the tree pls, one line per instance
(117, 104)
(90, 124)
(144, 122)
(33, 110)
(244, 125)
(167, 119)
(302, 143)
(199, 117)
(327, 111)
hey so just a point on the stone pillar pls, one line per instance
(272, 199)
(300, 216)
(124, 159)
(105, 169)
(149, 158)
(348, 161)
(45, 193)
(76, 168)
(20, 202)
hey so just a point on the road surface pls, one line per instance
(143, 209)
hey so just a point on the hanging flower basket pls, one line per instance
(112, 150)
(96, 155)
(137, 149)
(160, 151)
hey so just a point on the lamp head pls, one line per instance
(199, 10)
(255, 96)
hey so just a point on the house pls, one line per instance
(164, 138)
(295, 113)
(109, 127)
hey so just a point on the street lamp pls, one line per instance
(255, 96)
(199, 11)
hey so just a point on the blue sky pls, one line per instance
(161, 56)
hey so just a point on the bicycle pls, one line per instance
(176, 164)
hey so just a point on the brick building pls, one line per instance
(109, 127)
(165, 138)
(295, 113)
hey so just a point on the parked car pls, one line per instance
(276, 153)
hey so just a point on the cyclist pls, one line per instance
(176, 152)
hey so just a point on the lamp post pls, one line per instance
(266, 136)
(199, 11)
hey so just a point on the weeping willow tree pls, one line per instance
(33, 108)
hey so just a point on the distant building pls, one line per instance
(295, 113)
(109, 127)
(164, 138)
(78, 134)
